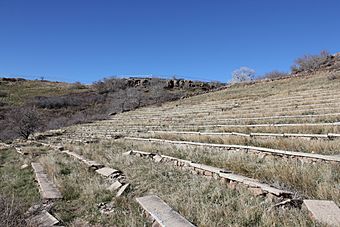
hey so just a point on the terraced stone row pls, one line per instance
(135, 126)
(317, 100)
(223, 175)
(219, 114)
(193, 119)
(169, 117)
(305, 157)
(328, 136)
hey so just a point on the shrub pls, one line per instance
(78, 85)
(56, 102)
(243, 74)
(111, 84)
(73, 100)
(70, 192)
(310, 62)
(274, 75)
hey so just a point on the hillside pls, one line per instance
(249, 155)
(56, 104)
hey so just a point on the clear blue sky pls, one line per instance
(71, 40)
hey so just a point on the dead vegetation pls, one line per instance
(17, 189)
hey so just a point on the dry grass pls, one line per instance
(202, 201)
(18, 190)
(316, 181)
(83, 190)
(21, 91)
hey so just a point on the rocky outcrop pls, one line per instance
(181, 83)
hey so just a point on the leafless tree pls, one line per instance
(243, 74)
(26, 122)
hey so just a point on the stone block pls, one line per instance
(324, 211)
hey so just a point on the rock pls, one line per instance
(122, 190)
(115, 186)
(232, 185)
(106, 171)
(24, 166)
(324, 211)
(106, 208)
(157, 158)
(42, 219)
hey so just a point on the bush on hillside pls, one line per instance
(274, 75)
(78, 86)
(65, 101)
(56, 102)
(310, 62)
(111, 84)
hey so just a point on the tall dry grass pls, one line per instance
(202, 201)
(315, 181)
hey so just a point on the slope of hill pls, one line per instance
(248, 155)
(27, 105)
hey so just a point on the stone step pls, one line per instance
(324, 211)
(162, 213)
(310, 156)
(47, 189)
(43, 219)
(106, 171)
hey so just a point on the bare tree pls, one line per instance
(242, 74)
(27, 121)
